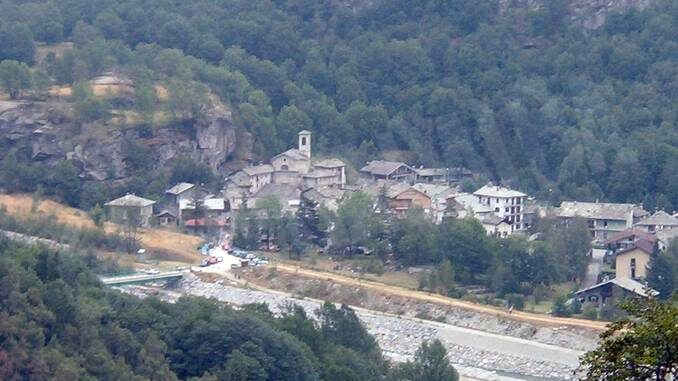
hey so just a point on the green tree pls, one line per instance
(643, 346)
(660, 276)
(430, 364)
(14, 77)
(270, 210)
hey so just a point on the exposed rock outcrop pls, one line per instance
(590, 14)
(46, 133)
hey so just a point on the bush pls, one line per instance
(590, 311)
(560, 307)
(516, 300)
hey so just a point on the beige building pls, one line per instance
(633, 262)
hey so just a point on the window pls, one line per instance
(605, 223)
(303, 141)
(507, 209)
(496, 209)
(518, 200)
(633, 267)
(517, 218)
(285, 167)
(513, 210)
(517, 209)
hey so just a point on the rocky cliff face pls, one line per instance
(45, 133)
(590, 14)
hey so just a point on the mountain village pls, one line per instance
(625, 236)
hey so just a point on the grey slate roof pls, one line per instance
(659, 218)
(598, 210)
(330, 163)
(490, 190)
(258, 169)
(131, 200)
(320, 172)
(383, 167)
(293, 153)
(493, 220)
(432, 171)
(179, 188)
(625, 283)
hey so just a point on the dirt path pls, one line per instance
(428, 297)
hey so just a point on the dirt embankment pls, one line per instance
(408, 303)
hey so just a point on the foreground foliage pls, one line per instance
(58, 323)
(641, 347)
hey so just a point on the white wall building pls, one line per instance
(505, 203)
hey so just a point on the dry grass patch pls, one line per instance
(161, 244)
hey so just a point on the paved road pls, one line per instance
(594, 267)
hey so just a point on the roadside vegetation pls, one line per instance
(60, 323)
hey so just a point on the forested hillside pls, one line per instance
(519, 95)
(58, 323)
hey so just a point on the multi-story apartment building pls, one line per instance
(505, 203)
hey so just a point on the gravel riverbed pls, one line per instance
(477, 355)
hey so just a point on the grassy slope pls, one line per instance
(165, 244)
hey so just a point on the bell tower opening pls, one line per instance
(305, 143)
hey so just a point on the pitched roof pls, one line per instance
(490, 190)
(166, 213)
(628, 233)
(659, 218)
(258, 169)
(179, 188)
(207, 204)
(494, 220)
(292, 153)
(383, 167)
(598, 210)
(643, 245)
(625, 283)
(330, 163)
(432, 190)
(130, 200)
(432, 171)
(320, 172)
(396, 189)
(281, 191)
(304, 132)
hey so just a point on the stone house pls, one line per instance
(295, 159)
(496, 226)
(603, 219)
(389, 170)
(660, 220)
(130, 208)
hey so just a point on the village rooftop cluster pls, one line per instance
(630, 234)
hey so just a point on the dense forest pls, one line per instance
(518, 94)
(58, 323)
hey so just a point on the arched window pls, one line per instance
(303, 140)
(285, 167)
